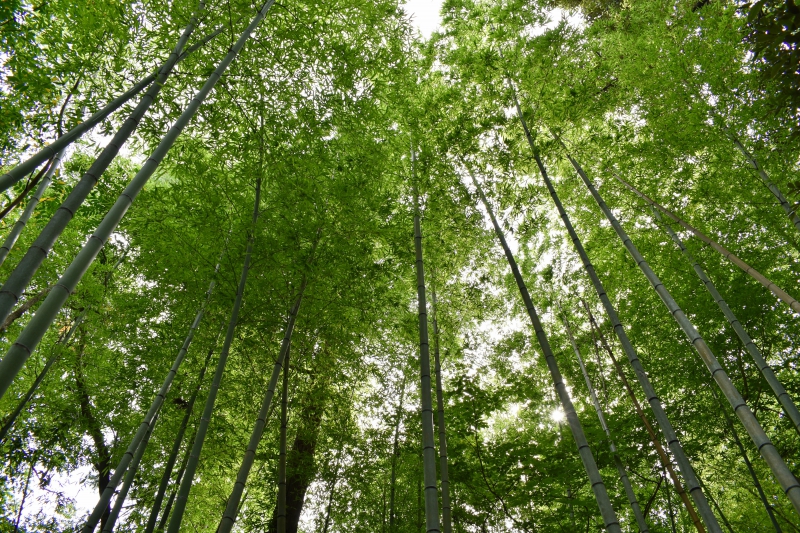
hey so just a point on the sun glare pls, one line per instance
(557, 415)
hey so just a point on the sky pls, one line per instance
(424, 15)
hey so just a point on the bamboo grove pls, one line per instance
(293, 267)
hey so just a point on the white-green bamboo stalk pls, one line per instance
(783, 475)
(621, 470)
(755, 274)
(444, 473)
(692, 483)
(202, 428)
(655, 403)
(232, 508)
(280, 511)
(18, 353)
(54, 356)
(609, 516)
(395, 454)
(428, 447)
(22, 274)
(22, 221)
(780, 392)
(18, 173)
(662, 454)
(129, 477)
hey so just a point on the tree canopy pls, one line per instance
(338, 124)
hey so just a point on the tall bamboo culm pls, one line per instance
(202, 428)
(432, 523)
(280, 508)
(787, 207)
(621, 470)
(447, 526)
(22, 274)
(232, 508)
(176, 448)
(666, 463)
(22, 221)
(18, 353)
(661, 417)
(54, 357)
(784, 476)
(113, 516)
(777, 387)
(747, 269)
(609, 516)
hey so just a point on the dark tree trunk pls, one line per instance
(95, 431)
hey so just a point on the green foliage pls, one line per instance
(323, 105)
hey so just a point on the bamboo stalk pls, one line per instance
(22, 221)
(22, 274)
(621, 470)
(202, 428)
(784, 476)
(662, 454)
(281, 507)
(432, 523)
(763, 280)
(447, 526)
(777, 387)
(609, 516)
(18, 173)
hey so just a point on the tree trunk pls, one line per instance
(747, 269)
(22, 221)
(426, 411)
(623, 474)
(17, 355)
(445, 476)
(598, 487)
(780, 392)
(95, 431)
(768, 451)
